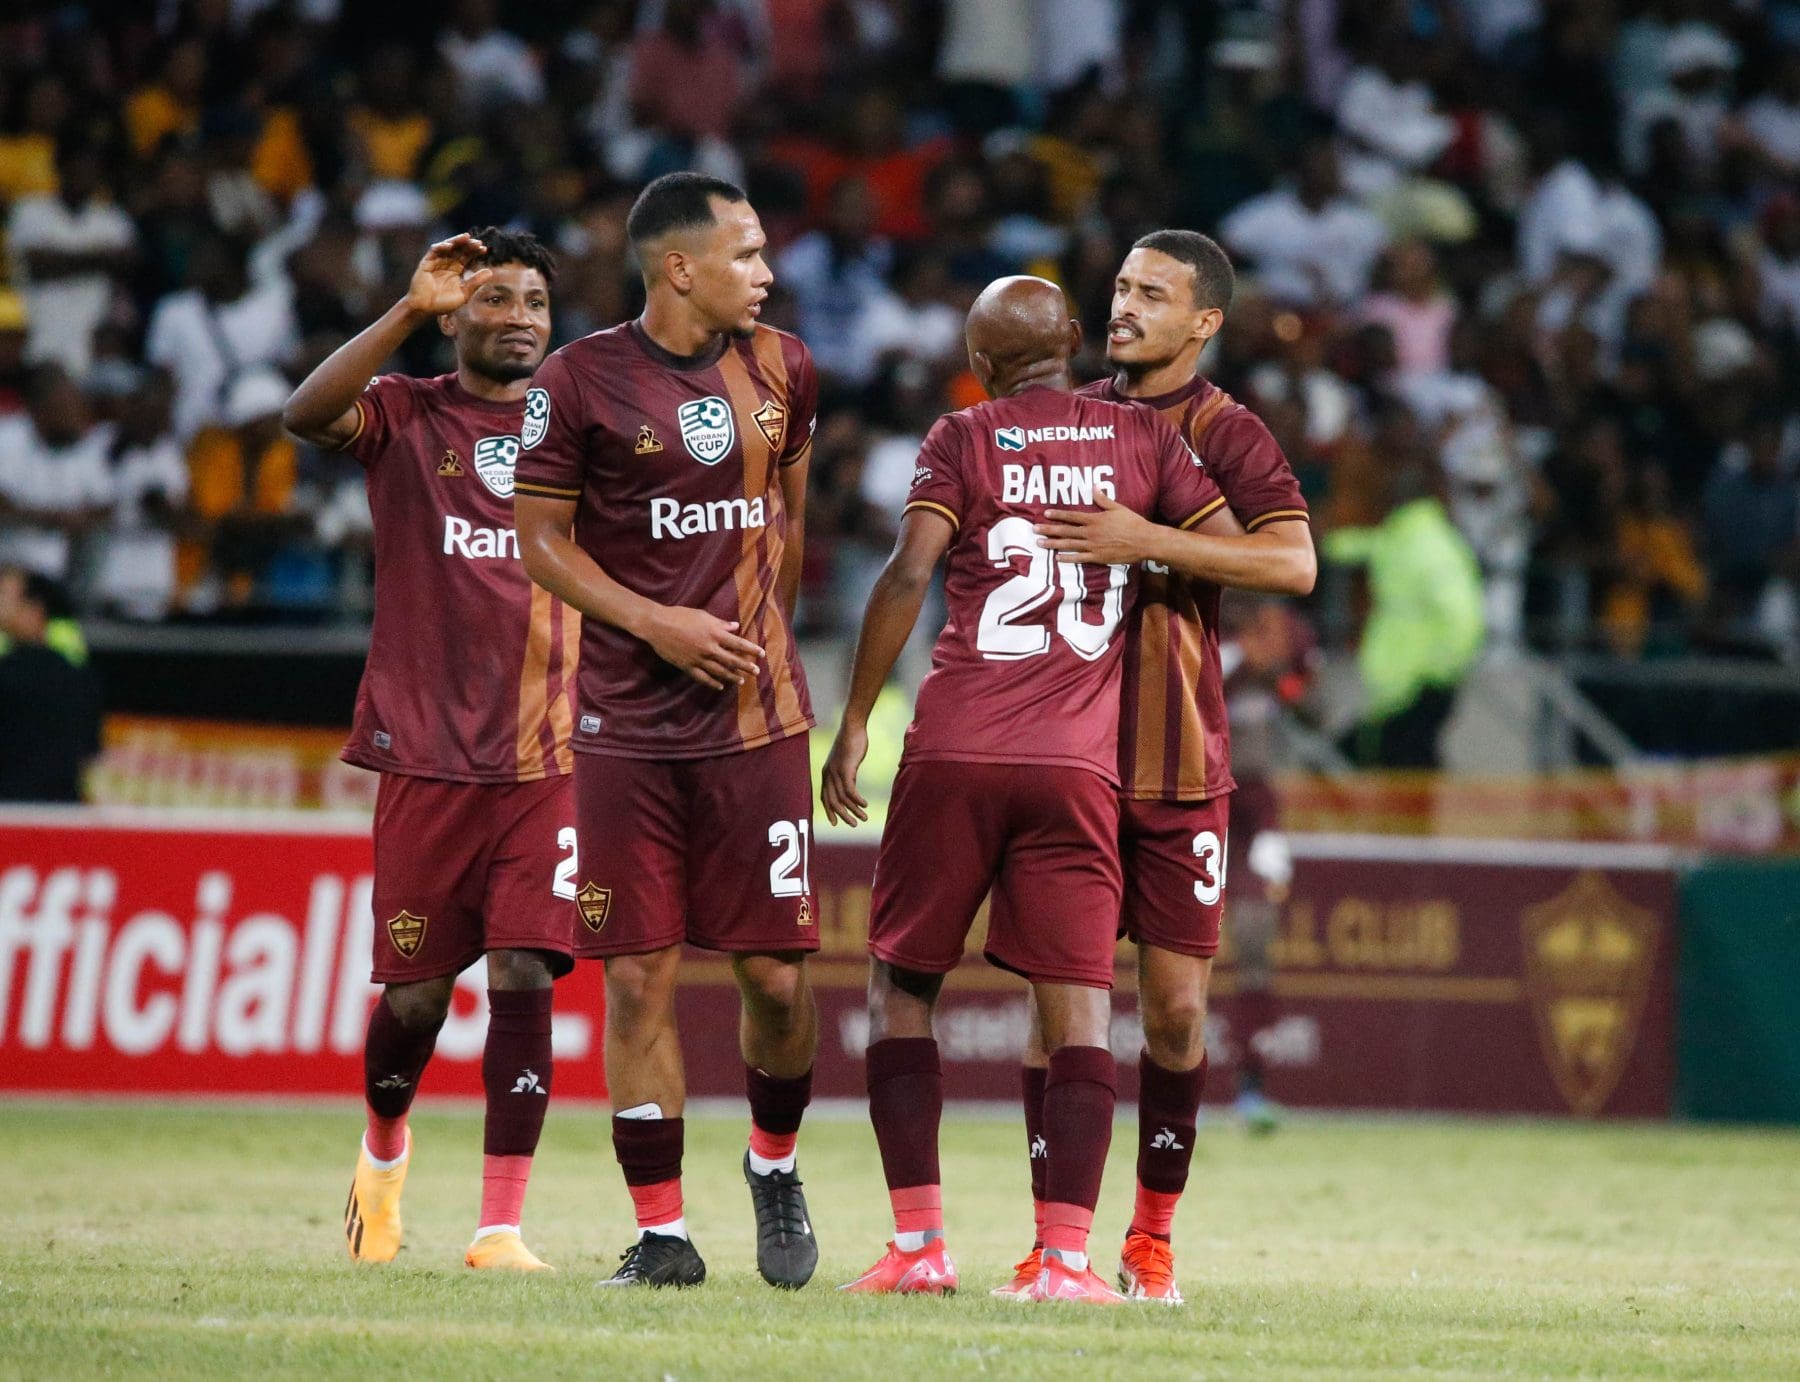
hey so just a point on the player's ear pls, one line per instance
(677, 272)
(1074, 337)
(1209, 323)
(447, 324)
(983, 368)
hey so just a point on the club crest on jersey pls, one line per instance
(771, 418)
(407, 932)
(707, 428)
(537, 418)
(450, 465)
(594, 903)
(1009, 438)
(495, 459)
(647, 444)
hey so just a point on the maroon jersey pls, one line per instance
(471, 667)
(676, 464)
(1173, 741)
(1027, 668)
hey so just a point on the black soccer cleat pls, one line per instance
(659, 1259)
(786, 1251)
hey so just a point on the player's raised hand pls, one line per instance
(704, 646)
(444, 281)
(1115, 536)
(844, 805)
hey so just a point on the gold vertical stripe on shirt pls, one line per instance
(772, 364)
(1190, 643)
(1203, 419)
(766, 347)
(561, 684)
(534, 687)
(1153, 697)
(753, 718)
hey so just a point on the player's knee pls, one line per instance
(639, 989)
(772, 986)
(1175, 1030)
(422, 1006)
(518, 970)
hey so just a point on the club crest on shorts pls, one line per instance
(805, 916)
(407, 932)
(707, 428)
(537, 418)
(771, 420)
(495, 460)
(594, 902)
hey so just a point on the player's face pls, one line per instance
(504, 330)
(729, 276)
(1154, 315)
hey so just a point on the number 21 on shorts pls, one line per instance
(791, 873)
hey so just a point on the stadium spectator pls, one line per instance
(1311, 246)
(834, 274)
(137, 575)
(56, 486)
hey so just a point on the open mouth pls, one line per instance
(1120, 332)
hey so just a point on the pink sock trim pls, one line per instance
(1066, 1227)
(1154, 1212)
(1037, 1222)
(386, 1137)
(918, 1208)
(657, 1204)
(772, 1146)
(503, 1181)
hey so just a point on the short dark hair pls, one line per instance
(46, 593)
(676, 201)
(515, 247)
(1213, 278)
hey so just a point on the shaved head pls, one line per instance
(1020, 331)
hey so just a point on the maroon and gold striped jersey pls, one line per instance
(1174, 742)
(676, 464)
(471, 668)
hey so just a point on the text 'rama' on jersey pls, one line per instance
(1026, 670)
(676, 465)
(470, 674)
(1174, 744)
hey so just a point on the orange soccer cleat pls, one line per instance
(1147, 1270)
(1025, 1275)
(505, 1252)
(372, 1215)
(1059, 1281)
(927, 1272)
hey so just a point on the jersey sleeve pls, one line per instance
(1247, 464)
(384, 409)
(937, 485)
(803, 410)
(552, 441)
(1185, 493)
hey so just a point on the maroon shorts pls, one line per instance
(1045, 840)
(462, 868)
(716, 852)
(1174, 854)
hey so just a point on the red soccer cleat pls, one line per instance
(1059, 1281)
(1025, 1275)
(927, 1272)
(1147, 1270)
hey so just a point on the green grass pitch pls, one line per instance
(199, 1241)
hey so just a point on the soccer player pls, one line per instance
(1174, 753)
(1010, 774)
(677, 447)
(464, 710)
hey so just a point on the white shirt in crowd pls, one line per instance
(889, 323)
(1774, 126)
(137, 567)
(204, 346)
(62, 480)
(494, 67)
(65, 312)
(1301, 255)
(1571, 210)
(986, 41)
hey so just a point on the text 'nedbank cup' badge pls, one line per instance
(707, 428)
(1589, 955)
(496, 459)
(537, 418)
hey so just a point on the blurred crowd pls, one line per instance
(1544, 252)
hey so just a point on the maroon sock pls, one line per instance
(394, 1057)
(776, 1107)
(515, 1070)
(1168, 1112)
(649, 1152)
(906, 1104)
(1079, 1095)
(1255, 1013)
(1031, 1091)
